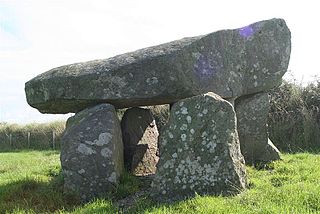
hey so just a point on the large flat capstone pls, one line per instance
(230, 63)
(92, 152)
(199, 150)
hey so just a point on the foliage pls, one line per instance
(31, 136)
(294, 117)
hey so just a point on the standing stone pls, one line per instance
(140, 140)
(230, 63)
(199, 150)
(252, 112)
(92, 152)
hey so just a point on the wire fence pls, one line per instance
(32, 136)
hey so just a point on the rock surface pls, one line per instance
(92, 152)
(140, 140)
(199, 150)
(230, 63)
(252, 113)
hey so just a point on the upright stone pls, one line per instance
(252, 113)
(231, 63)
(199, 150)
(92, 152)
(140, 140)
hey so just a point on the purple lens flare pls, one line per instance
(246, 31)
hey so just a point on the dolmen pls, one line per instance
(217, 85)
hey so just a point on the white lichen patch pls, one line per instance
(211, 146)
(192, 131)
(170, 163)
(205, 111)
(204, 134)
(183, 137)
(84, 149)
(106, 152)
(189, 119)
(196, 55)
(174, 155)
(113, 177)
(81, 171)
(184, 127)
(152, 80)
(104, 139)
(164, 142)
(170, 135)
(184, 110)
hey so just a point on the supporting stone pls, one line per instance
(92, 152)
(252, 112)
(140, 140)
(199, 150)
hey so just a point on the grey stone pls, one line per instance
(140, 140)
(230, 63)
(199, 150)
(252, 113)
(92, 152)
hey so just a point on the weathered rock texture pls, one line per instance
(92, 152)
(230, 63)
(199, 150)
(252, 113)
(140, 140)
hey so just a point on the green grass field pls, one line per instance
(30, 182)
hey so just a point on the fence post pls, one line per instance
(29, 140)
(10, 139)
(53, 140)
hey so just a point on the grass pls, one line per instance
(30, 182)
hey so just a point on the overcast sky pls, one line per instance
(37, 35)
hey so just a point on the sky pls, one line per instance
(37, 35)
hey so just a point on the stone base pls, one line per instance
(140, 140)
(92, 152)
(252, 113)
(199, 150)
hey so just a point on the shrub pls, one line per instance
(294, 117)
(38, 136)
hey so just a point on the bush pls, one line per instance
(294, 117)
(39, 136)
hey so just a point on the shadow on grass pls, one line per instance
(46, 151)
(33, 195)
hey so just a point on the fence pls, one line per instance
(32, 136)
